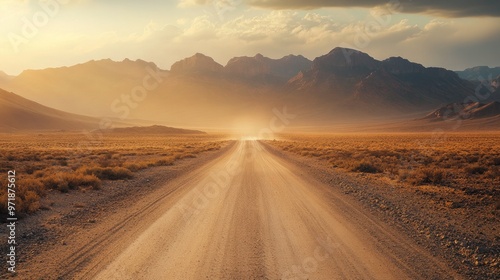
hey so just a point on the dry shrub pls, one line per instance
(30, 189)
(27, 201)
(28, 194)
(493, 173)
(165, 162)
(472, 159)
(66, 181)
(366, 167)
(31, 168)
(475, 169)
(3, 202)
(3, 195)
(106, 160)
(55, 181)
(76, 180)
(108, 173)
(428, 176)
(32, 184)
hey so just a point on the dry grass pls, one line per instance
(466, 162)
(107, 173)
(65, 162)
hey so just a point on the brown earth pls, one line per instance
(242, 213)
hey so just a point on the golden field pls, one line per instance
(465, 164)
(73, 161)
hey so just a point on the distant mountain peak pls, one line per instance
(342, 58)
(399, 65)
(260, 66)
(479, 68)
(93, 66)
(259, 56)
(346, 54)
(198, 63)
(139, 62)
(398, 59)
(96, 61)
(292, 56)
(343, 50)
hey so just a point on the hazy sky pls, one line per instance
(50, 33)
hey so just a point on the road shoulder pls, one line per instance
(406, 212)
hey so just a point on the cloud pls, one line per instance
(281, 27)
(191, 3)
(201, 29)
(439, 42)
(446, 8)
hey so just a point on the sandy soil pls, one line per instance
(246, 213)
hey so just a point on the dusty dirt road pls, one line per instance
(251, 215)
(241, 213)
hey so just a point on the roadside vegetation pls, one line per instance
(467, 164)
(443, 188)
(70, 162)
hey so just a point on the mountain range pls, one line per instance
(343, 85)
(356, 81)
(479, 73)
(258, 68)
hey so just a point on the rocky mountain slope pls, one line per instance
(20, 114)
(356, 80)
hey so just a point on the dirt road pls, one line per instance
(251, 215)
